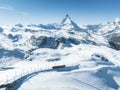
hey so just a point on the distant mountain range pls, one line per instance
(89, 56)
(17, 33)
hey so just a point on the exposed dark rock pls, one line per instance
(14, 30)
(114, 45)
(53, 59)
(19, 25)
(52, 42)
(48, 26)
(114, 41)
(9, 53)
(97, 56)
(1, 29)
(93, 27)
(73, 41)
(14, 38)
(43, 42)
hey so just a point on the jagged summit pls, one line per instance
(68, 24)
(66, 20)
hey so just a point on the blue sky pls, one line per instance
(50, 11)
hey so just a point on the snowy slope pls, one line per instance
(90, 55)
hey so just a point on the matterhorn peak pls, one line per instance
(66, 20)
(68, 24)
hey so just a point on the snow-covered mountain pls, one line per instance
(86, 58)
(67, 23)
(106, 28)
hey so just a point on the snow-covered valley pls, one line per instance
(62, 56)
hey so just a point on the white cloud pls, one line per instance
(11, 9)
(7, 8)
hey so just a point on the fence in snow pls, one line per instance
(16, 74)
